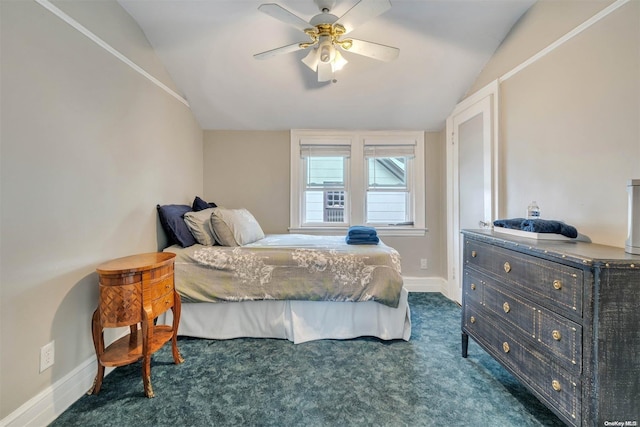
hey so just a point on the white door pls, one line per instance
(472, 175)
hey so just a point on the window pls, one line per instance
(347, 178)
(324, 169)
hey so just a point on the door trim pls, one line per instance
(485, 102)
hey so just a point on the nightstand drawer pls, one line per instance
(557, 284)
(158, 288)
(554, 385)
(162, 304)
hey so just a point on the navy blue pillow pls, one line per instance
(172, 220)
(200, 205)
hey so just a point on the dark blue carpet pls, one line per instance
(262, 382)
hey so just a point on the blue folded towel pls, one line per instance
(361, 231)
(538, 226)
(362, 235)
(547, 226)
(362, 240)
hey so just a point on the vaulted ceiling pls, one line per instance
(208, 45)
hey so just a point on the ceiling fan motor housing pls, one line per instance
(325, 5)
(323, 18)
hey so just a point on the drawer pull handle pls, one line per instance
(506, 307)
(556, 385)
(507, 267)
(474, 254)
(556, 335)
(557, 284)
(473, 286)
(505, 347)
(473, 319)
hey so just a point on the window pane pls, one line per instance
(324, 206)
(386, 207)
(325, 171)
(389, 172)
(314, 209)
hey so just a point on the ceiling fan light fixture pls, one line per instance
(325, 53)
(312, 59)
(338, 61)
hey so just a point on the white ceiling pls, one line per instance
(208, 45)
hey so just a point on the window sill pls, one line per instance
(382, 231)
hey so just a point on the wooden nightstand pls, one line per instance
(134, 290)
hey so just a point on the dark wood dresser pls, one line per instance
(562, 317)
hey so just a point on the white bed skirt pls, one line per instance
(297, 321)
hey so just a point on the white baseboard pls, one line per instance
(47, 405)
(425, 284)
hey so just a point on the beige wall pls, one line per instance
(89, 147)
(570, 122)
(251, 170)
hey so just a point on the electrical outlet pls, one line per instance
(423, 264)
(47, 356)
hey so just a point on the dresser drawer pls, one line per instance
(560, 337)
(548, 332)
(556, 284)
(554, 385)
(472, 286)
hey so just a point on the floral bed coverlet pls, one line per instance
(289, 267)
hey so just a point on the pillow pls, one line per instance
(171, 218)
(235, 227)
(200, 205)
(199, 223)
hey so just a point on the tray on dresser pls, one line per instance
(533, 235)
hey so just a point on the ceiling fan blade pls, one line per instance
(277, 51)
(362, 12)
(377, 51)
(282, 14)
(325, 72)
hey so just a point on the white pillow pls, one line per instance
(235, 227)
(199, 224)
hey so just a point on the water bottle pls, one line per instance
(533, 211)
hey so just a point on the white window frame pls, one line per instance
(356, 180)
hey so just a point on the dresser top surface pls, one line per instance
(135, 263)
(579, 252)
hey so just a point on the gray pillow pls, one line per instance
(199, 224)
(235, 227)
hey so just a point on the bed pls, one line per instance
(291, 286)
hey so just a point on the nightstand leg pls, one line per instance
(146, 377)
(147, 336)
(176, 309)
(465, 344)
(98, 344)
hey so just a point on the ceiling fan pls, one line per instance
(326, 32)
